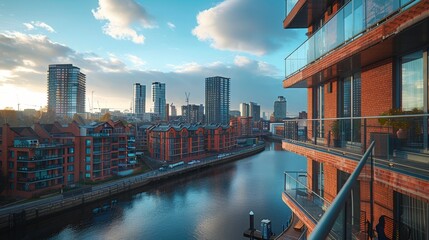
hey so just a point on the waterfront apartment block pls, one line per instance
(66, 90)
(365, 67)
(242, 126)
(47, 157)
(186, 142)
(158, 100)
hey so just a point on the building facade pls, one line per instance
(158, 100)
(139, 99)
(244, 110)
(66, 90)
(255, 111)
(193, 113)
(217, 100)
(375, 66)
(280, 106)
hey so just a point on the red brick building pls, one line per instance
(186, 142)
(363, 60)
(241, 126)
(47, 157)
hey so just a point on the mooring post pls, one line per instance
(252, 224)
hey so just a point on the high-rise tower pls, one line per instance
(217, 100)
(66, 90)
(139, 98)
(158, 99)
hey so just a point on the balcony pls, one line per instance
(39, 169)
(39, 179)
(304, 199)
(401, 140)
(349, 23)
(39, 158)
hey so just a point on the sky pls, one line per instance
(120, 42)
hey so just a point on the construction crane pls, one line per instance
(187, 98)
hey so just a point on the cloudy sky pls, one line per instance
(119, 42)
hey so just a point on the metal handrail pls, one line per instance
(323, 228)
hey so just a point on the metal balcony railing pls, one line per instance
(348, 23)
(340, 221)
(401, 140)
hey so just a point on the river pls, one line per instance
(213, 203)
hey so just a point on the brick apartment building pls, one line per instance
(186, 142)
(47, 157)
(363, 59)
(242, 126)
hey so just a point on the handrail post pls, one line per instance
(371, 196)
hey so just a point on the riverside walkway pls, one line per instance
(17, 215)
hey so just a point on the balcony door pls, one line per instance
(350, 108)
(318, 111)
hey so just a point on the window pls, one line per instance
(71, 150)
(412, 81)
(11, 164)
(88, 175)
(88, 150)
(413, 213)
(70, 168)
(70, 178)
(70, 159)
(11, 176)
(350, 107)
(87, 159)
(88, 168)
(12, 154)
(88, 142)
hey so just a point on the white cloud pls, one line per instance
(241, 61)
(29, 26)
(251, 26)
(124, 18)
(171, 25)
(37, 24)
(138, 62)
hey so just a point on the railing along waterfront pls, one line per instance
(342, 220)
(348, 23)
(401, 140)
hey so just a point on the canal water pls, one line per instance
(210, 204)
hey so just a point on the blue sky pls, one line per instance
(119, 42)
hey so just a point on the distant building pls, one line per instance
(139, 99)
(193, 113)
(158, 100)
(217, 100)
(302, 115)
(234, 113)
(173, 110)
(244, 109)
(66, 90)
(254, 111)
(280, 108)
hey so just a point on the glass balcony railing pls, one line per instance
(401, 140)
(348, 23)
(295, 187)
(289, 5)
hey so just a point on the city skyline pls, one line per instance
(115, 54)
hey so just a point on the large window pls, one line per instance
(412, 81)
(414, 214)
(350, 107)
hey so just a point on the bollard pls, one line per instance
(252, 220)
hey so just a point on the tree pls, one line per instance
(106, 117)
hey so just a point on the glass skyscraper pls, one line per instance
(139, 98)
(158, 99)
(217, 100)
(66, 90)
